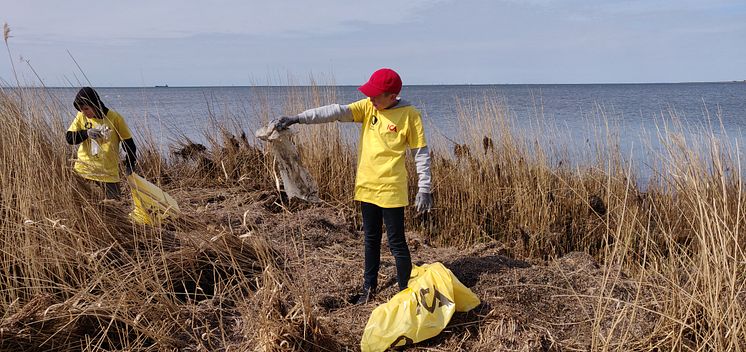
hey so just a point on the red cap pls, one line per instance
(384, 80)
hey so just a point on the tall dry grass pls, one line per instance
(72, 264)
(77, 274)
(675, 245)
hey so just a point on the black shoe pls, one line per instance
(366, 295)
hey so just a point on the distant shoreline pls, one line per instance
(406, 85)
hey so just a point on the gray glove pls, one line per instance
(423, 202)
(95, 133)
(284, 122)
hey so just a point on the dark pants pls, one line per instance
(373, 216)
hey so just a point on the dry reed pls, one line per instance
(76, 274)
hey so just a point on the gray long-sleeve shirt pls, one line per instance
(343, 113)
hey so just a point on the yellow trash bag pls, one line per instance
(152, 205)
(419, 312)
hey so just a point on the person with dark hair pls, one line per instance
(389, 127)
(99, 130)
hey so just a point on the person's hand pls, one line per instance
(96, 132)
(284, 122)
(423, 202)
(129, 167)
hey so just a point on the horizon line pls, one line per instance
(405, 85)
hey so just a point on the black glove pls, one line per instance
(129, 167)
(423, 202)
(284, 122)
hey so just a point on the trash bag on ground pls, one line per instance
(296, 180)
(151, 204)
(419, 312)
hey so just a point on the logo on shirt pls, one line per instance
(88, 125)
(392, 128)
(374, 121)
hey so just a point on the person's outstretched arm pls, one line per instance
(323, 114)
(327, 113)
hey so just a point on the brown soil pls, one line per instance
(527, 305)
(303, 302)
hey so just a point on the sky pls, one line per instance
(232, 42)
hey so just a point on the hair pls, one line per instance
(87, 96)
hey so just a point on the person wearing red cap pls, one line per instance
(390, 126)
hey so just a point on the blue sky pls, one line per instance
(144, 43)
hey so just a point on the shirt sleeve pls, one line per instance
(422, 164)
(358, 109)
(327, 113)
(416, 135)
(78, 123)
(121, 127)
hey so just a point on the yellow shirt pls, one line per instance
(381, 176)
(103, 167)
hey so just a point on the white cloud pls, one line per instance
(224, 42)
(139, 19)
(607, 8)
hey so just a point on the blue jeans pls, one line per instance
(373, 217)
